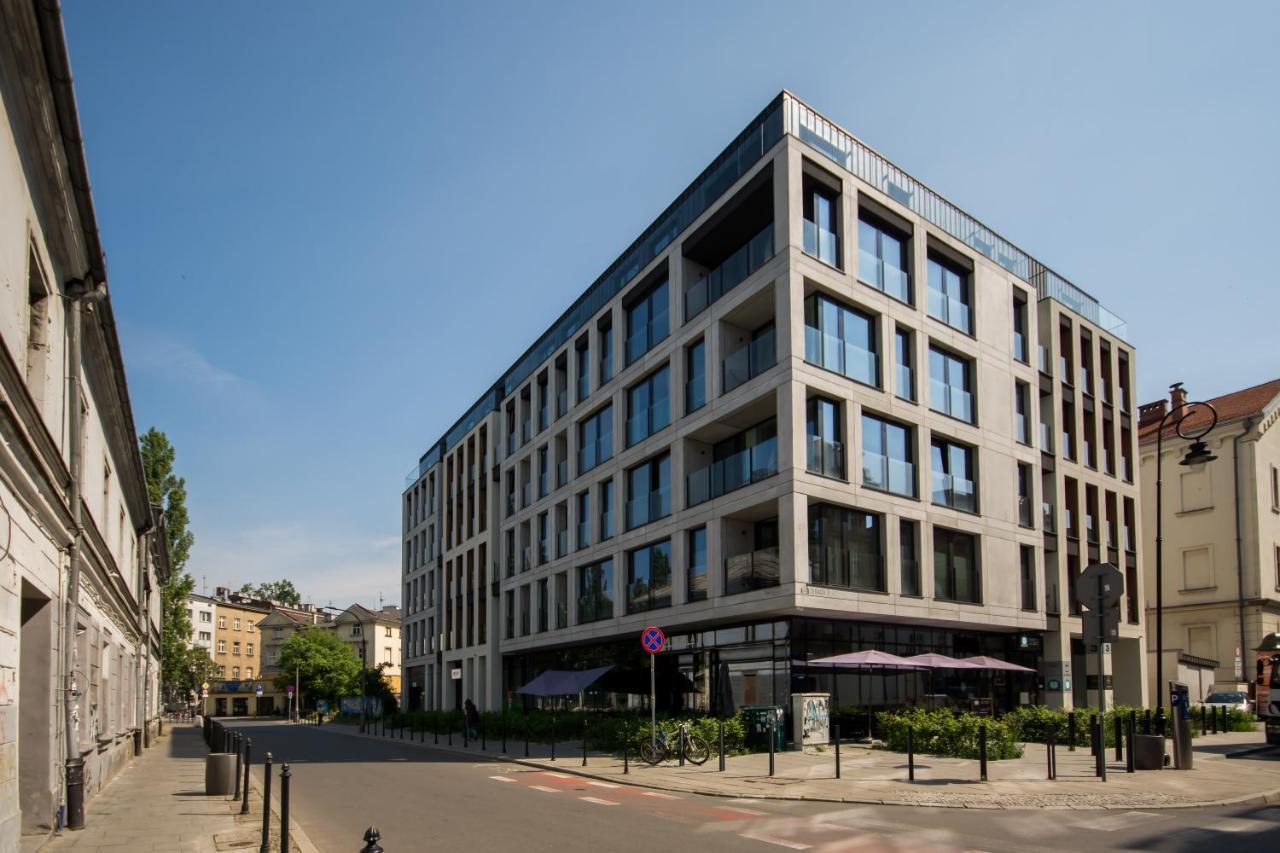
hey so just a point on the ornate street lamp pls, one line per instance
(1197, 455)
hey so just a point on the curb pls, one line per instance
(1267, 797)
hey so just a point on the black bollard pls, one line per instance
(1204, 720)
(772, 736)
(836, 735)
(466, 735)
(484, 746)
(721, 727)
(1119, 737)
(1225, 728)
(1095, 735)
(526, 737)
(1157, 722)
(680, 746)
(1071, 731)
(1100, 757)
(239, 767)
(504, 731)
(982, 752)
(1128, 765)
(285, 775)
(449, 733)
(371, 838)
(1146, 721)
(1050, 748)
(266, 805)
(584, 741)
(553, 737)
(1213, 714)
(626, 745)
(248, 761)
(910, 753)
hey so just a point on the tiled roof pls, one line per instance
(1237, 404)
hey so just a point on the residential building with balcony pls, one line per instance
(420, 569)
(1221, 536)
(814, 408)
(200, 609)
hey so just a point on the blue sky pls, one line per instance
(311, 209)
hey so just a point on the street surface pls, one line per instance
(422, 799)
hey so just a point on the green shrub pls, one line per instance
(941, 732)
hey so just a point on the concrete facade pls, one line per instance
(754, 376)
(1221, 535)
(201, 610)
(52, 267)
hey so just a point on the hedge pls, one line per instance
(941, 732)
(1032, 724)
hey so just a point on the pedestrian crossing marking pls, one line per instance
(772, 839)
(502, 779)
(738, 810)
(660, 795)
(598, 801)
(547, 788)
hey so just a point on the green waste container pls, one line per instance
(756, 720)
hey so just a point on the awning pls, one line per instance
(984, 662)
(866, 660)
(563, 682)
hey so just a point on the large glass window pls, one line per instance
(883, 261)
(648, 406)
(606, 509)
(738, 461)
(1026, 500)
(955, 566)
(544, 471)
(748, 362)
(544, 605)
(649, 491)
(544, 534)
(845, 548)
(842, 339)
(595, 592)
(909, 549)
(647, 322)
(825, 437)
(583, 359)
(1021, 347)
(954, 475)
(905, 363)
(696, 554)
(950, 385)
(695, 371)
(595, 439)
(950, 299)
(649, 577)
(888, 456)
(1022, 412)
(1027, 565)
(584, 519)
(562, 600)
(606, 349)
(821, 233)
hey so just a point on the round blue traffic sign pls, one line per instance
(653, 639)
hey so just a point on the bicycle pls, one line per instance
(658, 749)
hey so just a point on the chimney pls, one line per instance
(1177, 400)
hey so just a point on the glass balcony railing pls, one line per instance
(1127, 536)
(544, 553)
(584, 534)
(1046, 438)
(950, 310)
(511, 442)
(526, 558)
(511, 502)
(562, 403)
(906, 382)
(562, 472)
(731, 272)
(756, 570)
(845, 357)
(750, 361)
(645, 423)
(1026, 514)
(1020, 430)
(1020, 346)
(888, 474)
(650, 507)
(883, 275)
(955, 492)
(1042, 358)
(544, 484)
(825, 457)
(821, 243)
(695, 394)
(526, 494)
(950, 400)
(734, 472)
(562, 542)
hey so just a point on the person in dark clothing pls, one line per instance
(471, 716)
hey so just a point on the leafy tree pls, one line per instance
(169, 492)
(377, 684)
(282, 591)
(326, 667)
(196, 668)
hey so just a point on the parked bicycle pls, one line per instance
(663, 746)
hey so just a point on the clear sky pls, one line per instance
(331, 225)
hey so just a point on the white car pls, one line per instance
(1235, 701)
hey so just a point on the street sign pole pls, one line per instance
(1102, 702)
(653, 703)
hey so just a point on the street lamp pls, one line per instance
(1196, 456)
(363, 701)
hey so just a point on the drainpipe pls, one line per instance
(1235, 470)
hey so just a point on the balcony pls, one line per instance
(584, 534)
(526, 430)
(544, 554)
(646, 422)
(906, 381)
(562, 403)
(526, 558)
(526, 494)
(1026, 515)
(756, 570)
(731, 272)
(650, 507)
(821, 243)
(1046, 438)
(888, 474)
(544, 484)
(562, 543)
(950, 310)
(844, 357)
(825, 457)
(849, 570)
(951, 400)
(955, 492)
(734, 472)
(562, 472)
(750, 361)
(511, 442)
(511, 503)
(884, 276)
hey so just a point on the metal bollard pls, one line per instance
(1146, 721)
(836, 734)
(1100, 757)
(239, 768)
(1095, 735)
(680, 746)
(626, 745)
(1050, 748)
(1119, 737)
(371, 838)
(982, 753)
(504, 731)
(1204, 720)
(484, 745)
(1128, 766)
(721, 726)
(911, 754)
(285, 775)
(584, 741)
(1213, 714)
(266, 805)
(248, 761)
(1158, 722)
(553, 737)
(1071, 731)
(526, 736)
(772, 725)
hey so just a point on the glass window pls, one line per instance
(955, 567)
(562, 600)
(950, 385)
(737, 461)
(595, 592)
(525, 607)
(825, 437)
(544, 471)
(888, 456)
(954, 475)
(606, 350)
(845, 548)
(543, 535)
(649, 577)
(904, 360)
(583, 355)
(606, 509)
(1027, 564)
(1021, 349)
(1022, 412)
(841, 339)
(584, 519)
(647, 322)
(757, 568)
(949, 296)
(648, 406)
(697, 572)
(821, 234)
(748, 362)
(509, 624)
(909, 547)
(883, 261)
(649, 491)
(695, 385)
(543, 605)
(595, 439)
(1026, 500)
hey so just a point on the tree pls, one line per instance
(376, 684)
(326, 667)
(195, 669)
(282, 591)
(169, 491)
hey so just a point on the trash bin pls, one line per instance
(756, 720)
(137, 741)
(220, 773)
(1148, 752)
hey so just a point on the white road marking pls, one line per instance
(659, 795)
(770, 839)
(1116, 822)
(751, 812)
(598, 801)
(746, 800)
(547, 788)
(603, 784)
(502, 778)
(1240, 824)
(557, 775)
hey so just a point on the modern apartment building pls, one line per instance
(813, 408)
(1221, 534)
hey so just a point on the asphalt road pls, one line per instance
(421, 800)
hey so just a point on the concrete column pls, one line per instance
(791, 430)
(1055, 667)
(793, 546)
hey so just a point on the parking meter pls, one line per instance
(1180, 717)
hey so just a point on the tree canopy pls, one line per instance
(326, 667)
(282, 591)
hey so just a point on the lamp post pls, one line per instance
(1197, 454)
(363, 702)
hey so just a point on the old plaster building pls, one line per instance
(374, 638)
(813, 408)
(1221, 535)
(80, 546)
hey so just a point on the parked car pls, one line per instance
(1233, 701)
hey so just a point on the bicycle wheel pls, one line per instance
(696, 749)
(650, 753)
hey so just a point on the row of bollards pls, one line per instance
(222, 739)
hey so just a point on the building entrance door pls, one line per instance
(457, 694)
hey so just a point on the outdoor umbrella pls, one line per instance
(560, 682)
(984, 662)
(867, 659)
(931, 660)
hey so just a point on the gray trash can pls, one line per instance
(1148, 752)
(220, 773)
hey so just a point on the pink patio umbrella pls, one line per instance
(984, 662)
(937, 661)
(867, 659)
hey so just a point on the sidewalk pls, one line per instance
(880, 777)
(158, 803)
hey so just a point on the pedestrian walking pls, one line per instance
(471, 717)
